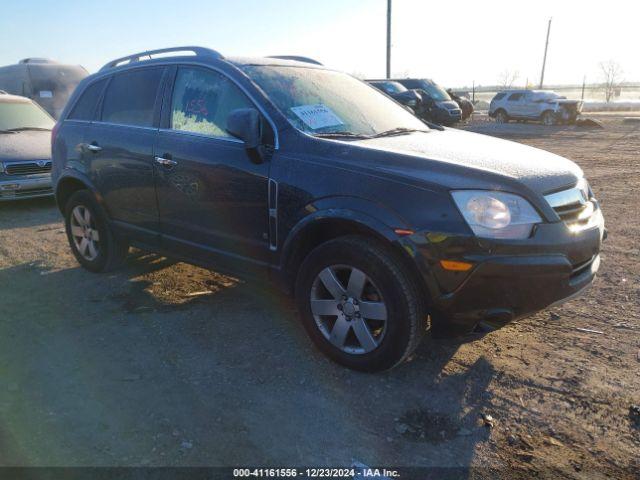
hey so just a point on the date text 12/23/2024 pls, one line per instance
(304, 473)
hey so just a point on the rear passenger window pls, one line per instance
(202, 100)
(515, 96)
(85, 108)
(131, 97)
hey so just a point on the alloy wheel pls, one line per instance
(348, 309)
(548, 119)
(86, 237)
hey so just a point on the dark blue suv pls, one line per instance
(272, 168)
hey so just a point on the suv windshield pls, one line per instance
(21, 115)
(546, 95)
(435, 91)
(319, 101)
(392, 87)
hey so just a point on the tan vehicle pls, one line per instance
(47, 82)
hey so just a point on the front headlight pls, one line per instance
(496, 214)
(412, 103)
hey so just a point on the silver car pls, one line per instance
(539, 105)
(25, 148)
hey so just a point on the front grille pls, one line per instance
(570, 213)
(575, 206)
(26, 168)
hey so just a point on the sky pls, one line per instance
(455, 43)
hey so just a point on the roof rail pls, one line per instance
(36, 60)
(296, 58)
(198, 51)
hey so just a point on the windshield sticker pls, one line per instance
(46, 94)
(317, 116)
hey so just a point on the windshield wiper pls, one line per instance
(433, 126)
(22, 129)
(397, 131)
(344, 134)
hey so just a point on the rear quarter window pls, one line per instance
(85, 107)
(131, 97)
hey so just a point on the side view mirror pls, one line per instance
(244, 123)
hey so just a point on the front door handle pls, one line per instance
(94, 147)
(166, 162)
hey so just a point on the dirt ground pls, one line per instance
(163, 363)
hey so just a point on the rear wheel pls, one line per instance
(359, 305)
(502, 117)
(92, 242)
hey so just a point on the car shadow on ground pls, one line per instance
(111, 369)
(28, 213)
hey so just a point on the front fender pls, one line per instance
(365, 214)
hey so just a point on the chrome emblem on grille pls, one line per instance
(41, 163)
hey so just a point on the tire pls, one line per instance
(548, 118)
(92, 241)
(335, 322)
(502, 117)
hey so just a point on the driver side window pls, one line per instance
(202, 100)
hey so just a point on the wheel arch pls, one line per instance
(323, 226)
(68, 185)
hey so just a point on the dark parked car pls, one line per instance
(45, 81)
(398, 92)
(25, 149)
(288, 171)
(443, 109)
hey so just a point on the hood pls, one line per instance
(457, 159)
(406, 96)
(25, 145)
(448, 105)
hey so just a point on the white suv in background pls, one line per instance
(543, 105)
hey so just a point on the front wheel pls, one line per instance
(502, 117)
(92, 241)
(548, 118)
(359, 305)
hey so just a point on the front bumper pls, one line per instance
(23, 187)
(448, 117)
(509, 279)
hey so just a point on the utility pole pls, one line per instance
(584, 81)
(544, 59)
(388, 38)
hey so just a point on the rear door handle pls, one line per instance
(165, 162)
(93, 147)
